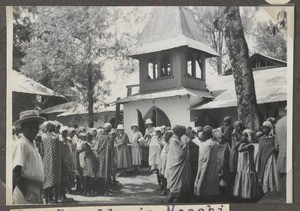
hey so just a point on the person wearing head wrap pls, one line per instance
(266, 162)
(103, 174)
(86, 162)
(199, 129)
(113, 150)
(57, 126)
(178, 172)
(94, 131)
(52, 160)
(155, 147)
(223, 164)
(163, 160)
(233, 154)
(207, 180)
(228, 129)
(193, 149)
(73, 137)
(273, 122)
(136, 140)
(67, 165)
(246, 186)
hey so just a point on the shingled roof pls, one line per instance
(171, 27)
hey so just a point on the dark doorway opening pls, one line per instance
(157, 116)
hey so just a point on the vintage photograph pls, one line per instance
(149, 105)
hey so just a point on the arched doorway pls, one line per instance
(157, 116)
(141, 122)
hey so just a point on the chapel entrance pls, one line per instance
(157, 116)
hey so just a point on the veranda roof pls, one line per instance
(270, 86)
(171, 27)
(74, 108)
(61, 108)
(81, 109)
(23, 84)
(166, 93)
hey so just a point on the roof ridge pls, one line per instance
(180, 21)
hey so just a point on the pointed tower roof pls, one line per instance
(171, 27)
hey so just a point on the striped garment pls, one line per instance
(266, 147)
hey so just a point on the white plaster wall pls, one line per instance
(175, 108)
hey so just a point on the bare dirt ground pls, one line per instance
(134, 189)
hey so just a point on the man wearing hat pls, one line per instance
(28, 171)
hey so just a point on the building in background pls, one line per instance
(270, 78)
(72, 114)
(28, 94)
(171, 53)
(172, 77)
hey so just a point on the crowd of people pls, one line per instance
(199, 164)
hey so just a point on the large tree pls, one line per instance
(21, 32)
(241, 68)
(68, 48)
(212, 25)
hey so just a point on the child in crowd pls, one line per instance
(223, 164)
(85, 161)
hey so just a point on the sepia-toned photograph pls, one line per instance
(149, 105)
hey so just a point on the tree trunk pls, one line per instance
(117, 117)
(90, 97)
(219, 65)
(241, 68)
(220, 51)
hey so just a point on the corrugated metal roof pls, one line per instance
(23, 84)
(270, 86)
(81, 109)
(166, 93)
(171, 27)
(58, 108)
(268, 57)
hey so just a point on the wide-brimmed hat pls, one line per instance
(120, 127)
(148, 121)
(134, 125)
(29, 116)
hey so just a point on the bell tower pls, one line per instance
(172, 51)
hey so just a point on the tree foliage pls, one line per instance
(212, 28)
(67, 50)
(269, 40)
(21, 32)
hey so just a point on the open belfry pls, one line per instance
(171, 53)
